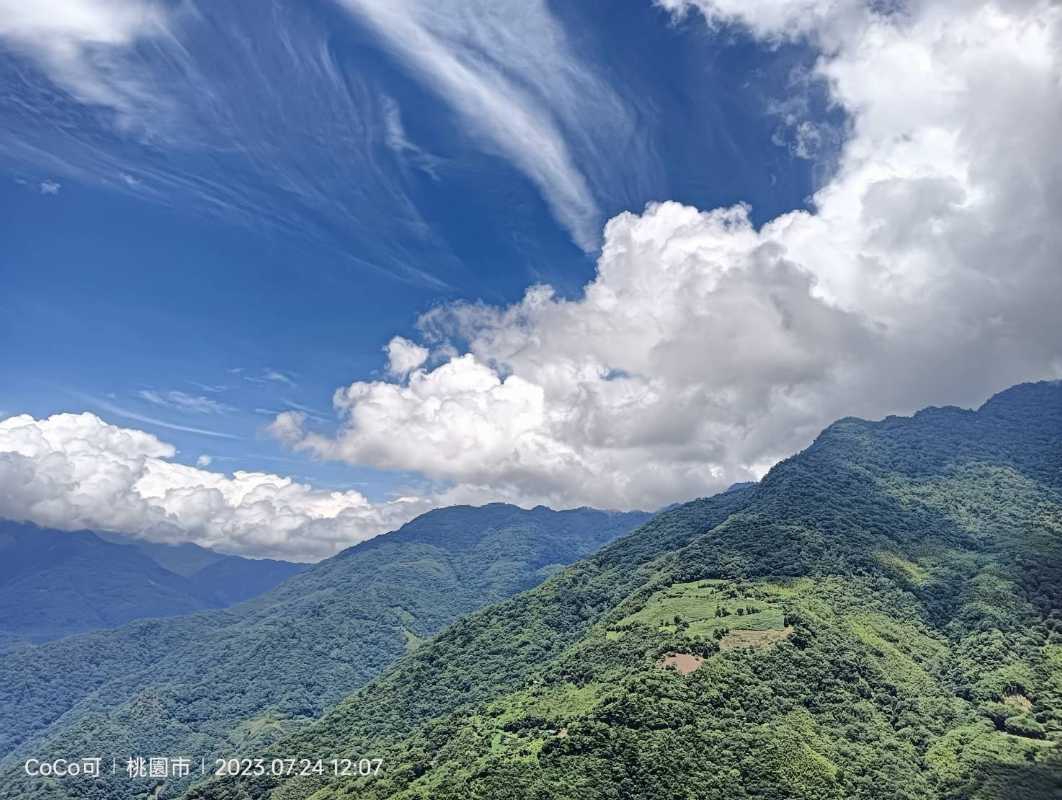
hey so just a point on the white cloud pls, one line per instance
(125, 413)
(204, 461)
(270, 375)
(182, 401)
(704, 349)
(404, 356)
(459, 412)
(209, 388)
(50, 187)
(308, 411)
(510, 72)
(398, 141)
(80, 44)
(287, 427)
(279, 377)
(776, 19)
(73, 471)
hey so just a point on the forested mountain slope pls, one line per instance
(878, 618)
(232, 680)
(55, 583)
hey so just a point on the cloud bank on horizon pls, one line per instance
(75, 471)
(704, 349)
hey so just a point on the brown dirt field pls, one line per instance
(753, 639)
(684, 663)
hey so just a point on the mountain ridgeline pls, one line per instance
(878, 618)
(234, 680)
(55, 583)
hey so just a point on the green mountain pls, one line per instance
(54, 583)
(878, 618)
(236, 679)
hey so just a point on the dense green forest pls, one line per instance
(878, 618)
(234, 680)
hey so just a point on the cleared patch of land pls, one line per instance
(683, 663)
(1018, 701)
(412, 640)
(700, 609)
(903, 568)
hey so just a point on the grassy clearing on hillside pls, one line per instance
(700, 608)
(901, 651)
(412, 640)
(556, 703)
(736, 640)
(903, 568)
(265, 727)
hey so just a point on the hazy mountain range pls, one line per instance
(57, 583)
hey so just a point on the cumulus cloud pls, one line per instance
(404, 356)
(80, 44)
(73, 471)
(705, 349)
(287, 426)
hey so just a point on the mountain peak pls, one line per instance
(1042, 394)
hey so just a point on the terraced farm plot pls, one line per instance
(699, 608)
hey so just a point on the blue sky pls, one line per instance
(206, 276)
(277, 277)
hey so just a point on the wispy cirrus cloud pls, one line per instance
(159, 100)
(126, 413)
(210, 388)
(82, 46)
(269, 375)
(508, 69)
(182, 401)
(397, 139)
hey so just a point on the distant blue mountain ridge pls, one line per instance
(58, 583)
